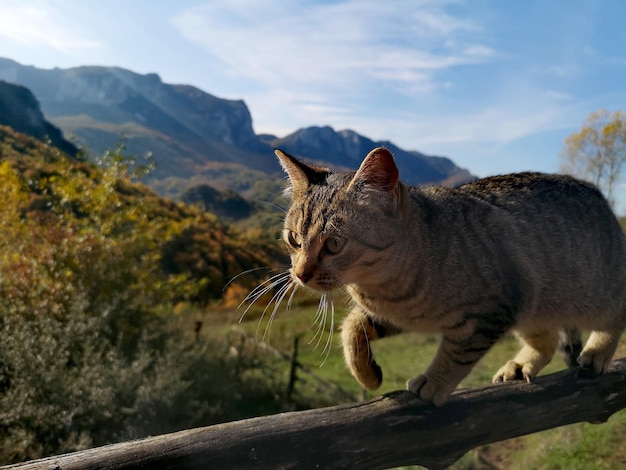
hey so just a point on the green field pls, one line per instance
(580, 446)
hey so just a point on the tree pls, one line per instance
(597, 153)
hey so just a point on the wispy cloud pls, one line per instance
(333, 46)
(38, 25)
(423, 73)
(339, 63)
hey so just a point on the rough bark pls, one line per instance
(392, 430)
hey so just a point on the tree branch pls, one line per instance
(392, 430)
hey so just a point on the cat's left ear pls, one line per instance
(301, 175)
(378, 171)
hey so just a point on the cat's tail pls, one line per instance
(570, 346)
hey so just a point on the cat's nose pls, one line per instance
(304, 276)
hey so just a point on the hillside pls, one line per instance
(187, 249)
(20, 110)
(194, 137)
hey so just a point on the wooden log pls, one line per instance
(393, 430)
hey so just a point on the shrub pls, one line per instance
(65, 386)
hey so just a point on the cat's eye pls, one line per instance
(293, 239)
(334, 244)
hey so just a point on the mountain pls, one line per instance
(194, 138)
(348, 149)
(228, 205)
(20, 109)
(189, 133)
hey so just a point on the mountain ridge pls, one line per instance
(350, 148)
(195, 137)
(20, 109)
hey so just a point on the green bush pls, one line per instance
(90, 349)
(65, 386)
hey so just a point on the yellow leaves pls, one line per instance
(597, 152)
(71, 230)
(234, 295)
(13, 192)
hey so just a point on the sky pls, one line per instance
(494, 85)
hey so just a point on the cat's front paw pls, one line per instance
(596, 361)
(599, 350)
(429, 390)
(369, 375)
(514, 371)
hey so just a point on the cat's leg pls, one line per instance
(599, 349)
(538, 349)
(357, 331)
(570, 346)
(460, 349)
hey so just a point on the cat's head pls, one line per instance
(340, 226)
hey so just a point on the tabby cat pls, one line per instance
(539, 255)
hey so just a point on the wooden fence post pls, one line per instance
(293, 368)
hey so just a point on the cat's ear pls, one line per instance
(301, 175)
(378, 171)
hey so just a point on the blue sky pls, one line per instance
(495, 85)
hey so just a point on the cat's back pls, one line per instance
(560, 230)
(520, 195)
(549, 202)
(535, 189)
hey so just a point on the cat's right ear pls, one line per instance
(301, 175)
(378, 171)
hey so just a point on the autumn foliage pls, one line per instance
(92, 265)
(103, 231)
(597, 152)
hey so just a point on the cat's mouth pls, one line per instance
(315, 283)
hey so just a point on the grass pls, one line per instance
(579, 446)
(401, 357)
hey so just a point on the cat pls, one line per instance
(539, 255)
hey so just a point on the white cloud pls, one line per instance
(336, 46)
(38, 25)
(439, 22)
(338, 63)
(405, 71)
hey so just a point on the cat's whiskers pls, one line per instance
(247, 271)
(367, 340)
(293, 292)
(321, 318)
(274, 205)
(277, 298)
(262, 289)
(329, 340)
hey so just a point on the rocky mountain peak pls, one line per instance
(118, 96)
(20, 110)
(347, 148)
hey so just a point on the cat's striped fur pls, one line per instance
(540, 255)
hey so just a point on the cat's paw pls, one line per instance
(429, 390)
(596, 361)
(514, 371)
(369, 375)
